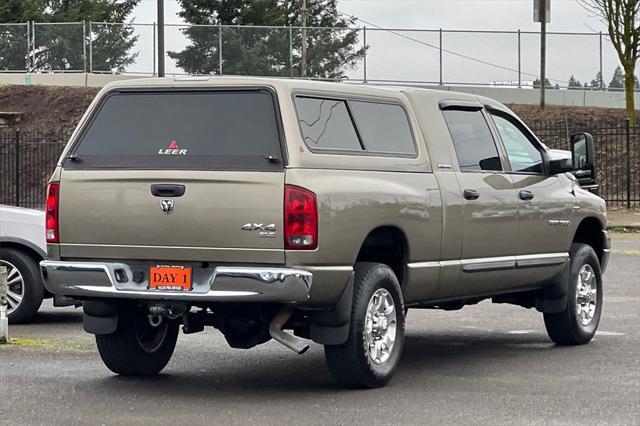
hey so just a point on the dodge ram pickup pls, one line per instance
(311, 211)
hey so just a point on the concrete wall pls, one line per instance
(513, 95)
(64, 79)
(509, 95)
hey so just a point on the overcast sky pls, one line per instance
(393, 57)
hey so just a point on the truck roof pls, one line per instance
(290, 84)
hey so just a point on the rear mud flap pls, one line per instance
(331, 326)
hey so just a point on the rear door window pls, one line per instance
(234, 130)
(475, 148)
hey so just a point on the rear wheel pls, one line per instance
(578, 323)
(25, 288)
(372, 351)
(138, 348)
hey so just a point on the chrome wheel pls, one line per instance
(586, 295)
(380, 326)
(15, 286)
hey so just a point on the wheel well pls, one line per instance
(25, 249)
(590, 232)
(386, 245)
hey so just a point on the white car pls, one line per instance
(22, 247)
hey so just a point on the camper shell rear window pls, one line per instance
(180, 129)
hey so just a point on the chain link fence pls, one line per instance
(386, 55)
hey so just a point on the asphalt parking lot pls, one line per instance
(485, 364)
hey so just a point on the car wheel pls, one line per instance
(25, 288)
(372, 351)
(138, 348)
(578, 323)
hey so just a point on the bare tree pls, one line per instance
(622, 18)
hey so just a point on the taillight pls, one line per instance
(300, 219)
(51, 213)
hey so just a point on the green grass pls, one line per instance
(49, 344)
(624, 229)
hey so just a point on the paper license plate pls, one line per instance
(171, 278)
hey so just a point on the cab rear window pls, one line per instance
(235, 130)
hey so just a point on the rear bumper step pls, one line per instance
(220, 284)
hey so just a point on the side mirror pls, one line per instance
(583, 157)
(562, 165)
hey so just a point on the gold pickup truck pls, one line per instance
(262, 205)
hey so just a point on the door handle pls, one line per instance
(526, 195)
(168, 190)
(471, 194)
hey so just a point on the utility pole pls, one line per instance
(541, 13)
(543, 52)
(160, 38)
(303, 68)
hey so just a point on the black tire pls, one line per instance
(350, 363)
(124, 354)
(33, 289)
(565, 328)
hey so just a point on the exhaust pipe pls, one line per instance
(292, 342)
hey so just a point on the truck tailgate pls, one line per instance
(176, 175)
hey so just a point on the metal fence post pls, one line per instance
(84, 46)
(28, 57)
(33, 45)
(4, 321)
(364, 43)
(601, 82)
(290, 51)
(519, 59)
(17, 170)
(220, 47)
(90, 48)
(440, 56)
(627, 124)
(154, 49)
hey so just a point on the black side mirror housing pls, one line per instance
(583, 158)
(559, 166)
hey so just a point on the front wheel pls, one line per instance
(578, 323)
(138, 348)
(372, 351)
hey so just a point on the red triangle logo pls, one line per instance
(173, 145)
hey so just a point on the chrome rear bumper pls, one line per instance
(220, 284)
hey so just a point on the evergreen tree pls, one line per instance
(265, 51)
(573, 83)
(617, 81)
(598, 82)
(13, 39)
(548, 85)
(60, 47)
